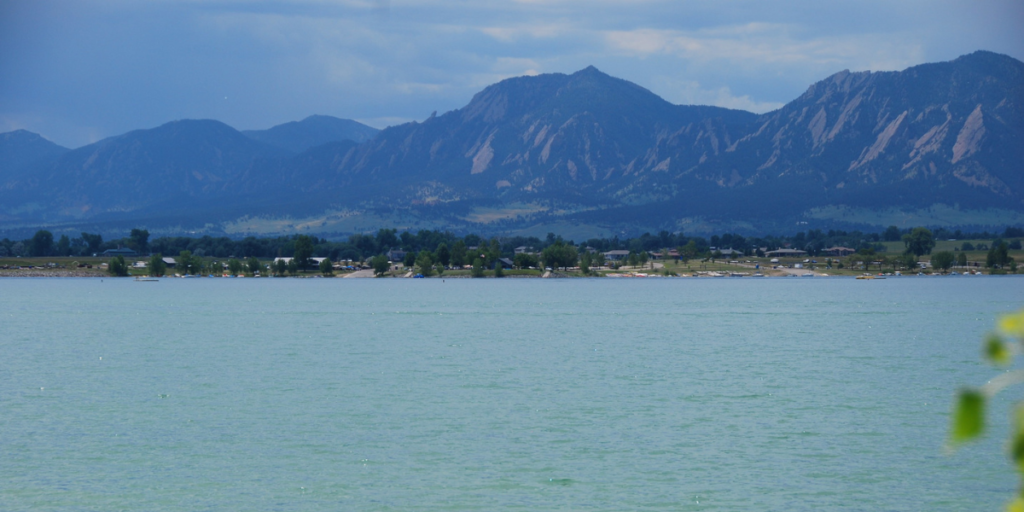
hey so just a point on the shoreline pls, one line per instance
(639, 275)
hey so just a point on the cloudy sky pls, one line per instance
(80, 71)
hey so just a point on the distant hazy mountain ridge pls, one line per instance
(298, 136)
(579, 149)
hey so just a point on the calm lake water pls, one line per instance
(568, 394)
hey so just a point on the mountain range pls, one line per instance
(584, 153)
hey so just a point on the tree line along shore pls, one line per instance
(433, 253)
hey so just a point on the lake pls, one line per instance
(529, 394)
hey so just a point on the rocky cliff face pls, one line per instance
(583, 137)
(584, 147)
(951, 131)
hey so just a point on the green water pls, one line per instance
(572, 394)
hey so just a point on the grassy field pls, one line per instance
(895, 248)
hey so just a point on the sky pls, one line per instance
(77, 72)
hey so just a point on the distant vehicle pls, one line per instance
(807, 261)
(774, 260)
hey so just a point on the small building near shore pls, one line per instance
(839, 251)
(616, 255)
(726, 251)
(786, 253)
(396, 255)
(120, 251)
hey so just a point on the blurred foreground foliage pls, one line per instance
(999, 348)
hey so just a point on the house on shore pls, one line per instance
(786, 253)
(120, 251)
(726, 252)
(838, 251)
(616, 255)
(313, 262)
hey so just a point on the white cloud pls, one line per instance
(766, 43)
(383, 122)
(142, 63)
(512, 33)
(689, 92)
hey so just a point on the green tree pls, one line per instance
(478, 267)
(599, 259)
(689, 251)
(495, 249)
(42, 244)
(386, 238)
(892, 234)
(425, 263)
(943, 260)
(253, 265)
(632, 259)
(919, 241)
(968, 417)
(458, 257)
(499, 269)
(380, 265)
(585, 262)
(117, 266)
(961, 259)
(293, 267)
(139, 240)
(523, 260)
(643, 258)
(187, 263)
(93, 242)
(280, 267)
(909, 261)
(303, 251)
(64, 246)
(559, 255)
(157, 267)
(444, 256)
(234, 267)
(998, 255)
(410, 259)
(326, 267)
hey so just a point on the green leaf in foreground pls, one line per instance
(1017, 437)
(997, 351)
(968, 416)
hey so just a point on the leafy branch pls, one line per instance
(968, 420)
